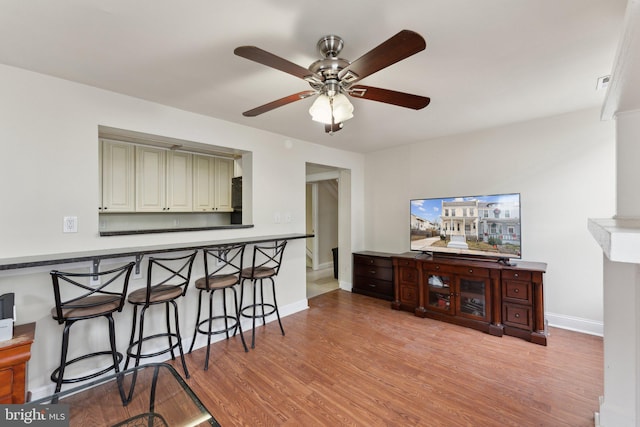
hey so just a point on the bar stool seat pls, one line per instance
(77, 299)
(222, 266)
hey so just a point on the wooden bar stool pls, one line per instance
(222, 266)
(266, 262)
(167, 280)
(78, 299)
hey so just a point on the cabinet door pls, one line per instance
(439, 292)
(473, 298)
(179, 182)
(212, 184)
(223, 175)
(150, 179)
(118, 179)
(203, 192)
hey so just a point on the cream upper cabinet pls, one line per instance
(163, 180)
(212, 184)
(117, 177)
(179, 181)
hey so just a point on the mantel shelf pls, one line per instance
(618, 237)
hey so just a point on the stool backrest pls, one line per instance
(170, 271)
(223, 260)
(73, 290)
(268, 256)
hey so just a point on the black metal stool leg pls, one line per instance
(275, 304)
(167, 316)
(195, 330)
(238, 318)
(253, 327)
(133, 335)
(210, 324)
(179, 338)
(63, 357)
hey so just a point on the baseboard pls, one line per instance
(585, 326)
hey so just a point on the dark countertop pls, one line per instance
(171, 230)
(69, 257)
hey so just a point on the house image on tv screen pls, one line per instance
(482, 225)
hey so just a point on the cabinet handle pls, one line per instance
(470, 270)
(371, 285)
(372, 272)
(517, 315)
(515, 275)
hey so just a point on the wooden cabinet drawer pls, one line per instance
(373, 271)
(409, 295)
(516, 275)
(519, 316)
(6, 385)
(373, 285)
(438, 268)
(409, 263)
(372, 261)
(408, 275)
(472, 271)
(516, 291)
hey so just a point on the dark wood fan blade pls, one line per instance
(387, 96)
(270, 60)
(278, 103)
(401, 46)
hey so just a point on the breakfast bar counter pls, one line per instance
(137, 252)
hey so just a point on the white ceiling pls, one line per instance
(487, 62)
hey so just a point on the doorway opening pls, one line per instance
(326, 210)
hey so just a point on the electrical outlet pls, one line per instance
(70, 224)
(287, 217)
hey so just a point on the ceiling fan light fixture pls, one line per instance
(328, 110)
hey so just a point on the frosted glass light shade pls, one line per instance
(324, 107)
(342, 108)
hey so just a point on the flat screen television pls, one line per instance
(482, 226)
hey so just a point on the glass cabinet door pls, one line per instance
(472, 298)
(439, 294)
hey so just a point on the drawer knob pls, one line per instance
(371, 285)
(437, 267)
(471, 270)
(516, 290)
(372, 272)
(515, 275)
(517, 315)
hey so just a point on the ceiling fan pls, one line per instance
(331, 78)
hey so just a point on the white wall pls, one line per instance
(49, 169)
(564, 168)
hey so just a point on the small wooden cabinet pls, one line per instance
(14, 355)
(484, 295)
(406, 284)
(373, 274)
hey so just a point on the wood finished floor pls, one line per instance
(351, 360)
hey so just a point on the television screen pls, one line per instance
(474, 225)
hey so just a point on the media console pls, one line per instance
(482, 294)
